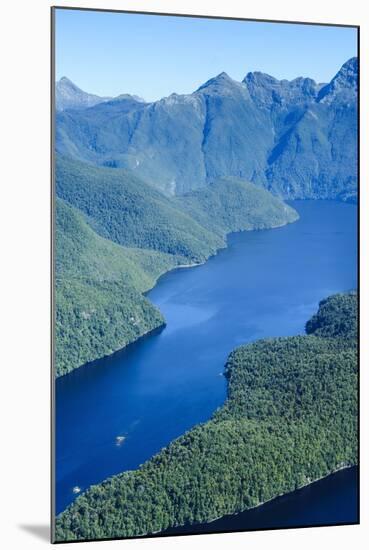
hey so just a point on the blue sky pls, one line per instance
(152, 56)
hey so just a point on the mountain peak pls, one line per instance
(348, 74)
(267, 91)
(66, 80)
(223, 76)
(69, 96)
(259, 78)
(351, 64)
(343, 84)
(221, 81)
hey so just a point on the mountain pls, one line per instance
(316, 157)
(343, 84)
(298, 138)
(116, 234)
(290, 418)
(69, 96)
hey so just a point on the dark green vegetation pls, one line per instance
(335, 317)
(296, 138)
(126, 210)
(290, 418)
(99, 285)
(116, 234)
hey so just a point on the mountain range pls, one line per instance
(297, 139)
(144, 187)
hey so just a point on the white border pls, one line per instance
(24, 304)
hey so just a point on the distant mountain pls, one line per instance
(69, 96)
(121, 207)
(296, 138)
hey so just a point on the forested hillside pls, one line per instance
(289, 419)
(115, 235)
(99, 285)
(121, 207)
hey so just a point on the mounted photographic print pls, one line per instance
(205, 340)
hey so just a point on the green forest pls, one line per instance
(116, 234)
(100, 307)
(290, 418)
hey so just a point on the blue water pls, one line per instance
(265, 283)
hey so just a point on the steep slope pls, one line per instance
(342, 85)
(80, 252)
(296, 138)
(99, 305)
(290, 418)
(236, 135)
(123, 208)
(317, 156)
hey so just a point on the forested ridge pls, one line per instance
(116, 234)
(290, 418)
(100, 307)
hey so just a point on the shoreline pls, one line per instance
(171, 270)
(166, 532)
(125, 349)
(333, 472)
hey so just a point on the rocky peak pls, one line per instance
(69, 96)
(222, 83)
(267, 91)
(343, 85)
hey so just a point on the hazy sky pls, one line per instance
(152, 56)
